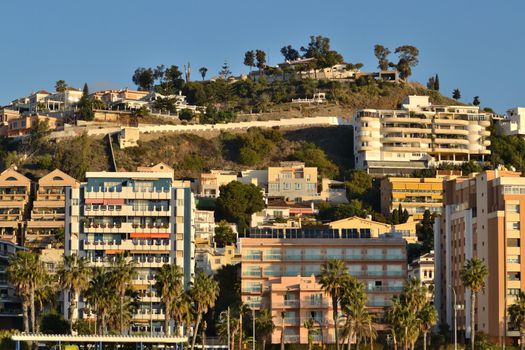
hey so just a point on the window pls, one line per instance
(298, 186)
(286, 186)
(513, 242)
(513, 208)
(513, 259)
(513, 291)
(513, 276)
(514, 225)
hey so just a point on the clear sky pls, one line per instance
(474, 45)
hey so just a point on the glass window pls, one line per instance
(513, 208)
(513, 242)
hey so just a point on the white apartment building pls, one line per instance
(514, 122)
(418, 136)
(146, 215)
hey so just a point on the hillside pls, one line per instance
(192, 154)
(328, 148)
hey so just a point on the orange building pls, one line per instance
(15, 189)
(482, 218)
(48, 212)
(280, 266)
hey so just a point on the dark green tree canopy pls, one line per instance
(289, 53)
(319, 48)
(144, 78)
(224, 234)
(237, 202)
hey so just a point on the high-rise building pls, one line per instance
(418, 136)
(482, 218)
(280, 266)
(146, 215)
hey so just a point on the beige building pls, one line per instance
(204, 225)
(22, 125)
(279, 268)
(482, 218)
(513, 123)
(418, 136)
(128, 137)
(15, 190)
(210, 183)
(209, 259)
(46, 223)
(423, 269)
(293, 181)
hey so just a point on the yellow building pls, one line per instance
(414, 194)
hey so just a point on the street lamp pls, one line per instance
(455, 321)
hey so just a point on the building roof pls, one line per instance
(58, 178)
(14, 178)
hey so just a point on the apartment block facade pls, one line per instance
(280, 266)
(48, 211)
(146, 215)
(482, 218)
(294, 181)
(416, 195)
(10, 302)
(15, 191)
(418, 136)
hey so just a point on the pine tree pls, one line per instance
(436, 83)
(476, 101)
(456, 94)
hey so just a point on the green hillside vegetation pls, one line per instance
(256, 149)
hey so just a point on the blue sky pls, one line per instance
(476, 46)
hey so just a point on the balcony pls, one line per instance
(149, 315)
(127, 193)
(252, 290)
(252, 273)
(315, 303)
(287, 304)
(385, 288)
(128, 245)
(126, 210)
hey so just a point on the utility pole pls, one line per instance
(455, 321)
(228, 320)
(253, 326)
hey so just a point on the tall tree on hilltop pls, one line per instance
(260, 56)
(473, 276)
(319, 49)
(249, 59)
(203, 71)
(408, 59)
(436, 83)
(456, 94)
(289, 53)
(425, 231)
(225, 71)
(144, 78)
(476, 101)
(381, 54)
(60, 86)
(431, 83)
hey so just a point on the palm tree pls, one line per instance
(25, 273)
(181, 310)
(45, 295)
(169, 286)
(122, 273)
(222, 326)
(99, 296)
(362, 325)
(73, 275)
(203, 71)
(428, 318)
(353, 302)
(517, 316)
(204, 291)
(265, 326)
(333, 275)
(392, 318)
(473, 277)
